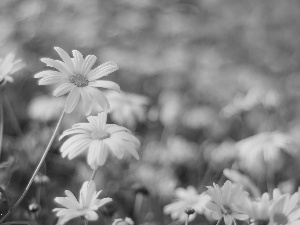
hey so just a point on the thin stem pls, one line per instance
(187, 219)
(36, 170)
(219, 221)
(94, 173)
(86, 222)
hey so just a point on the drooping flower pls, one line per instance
(98, 138)
(86, 207)
(9, 66)
(224, 202)
(74, 75)
(264, 150)
(126, 108)
(188, 197)
(284, 210)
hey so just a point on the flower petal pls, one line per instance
(63, 89)
(102, 70)
(72, 100)
(105, 84)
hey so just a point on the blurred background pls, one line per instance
(210, 85)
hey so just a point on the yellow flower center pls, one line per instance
(280, 219)
(79, 80)
(100, 135)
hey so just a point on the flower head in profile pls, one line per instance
(284, 210)
(9, 66)
(188, 197)
(224, 202)
(75, 76)
(264, 150)
(86, 207)
(98, 138)
(126, 108)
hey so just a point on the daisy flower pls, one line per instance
(8, 66)
(86, 207)
(224, 202)
(188, 197)
(284, 210)
(76, 77)
(98, 138)
(264, 150)
(126, 108)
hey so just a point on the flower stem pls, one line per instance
(219, 221)
(86, 222)
(94, 173)
(36, 170)
(187, 220)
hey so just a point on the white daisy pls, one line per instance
(74, 75)
(86, 207)
(284, 210)
(224, 202)
(98, 137)
(188, 197)
(264, 150)
(8, 66)
(126, 108)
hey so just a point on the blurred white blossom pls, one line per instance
(264, 152)
(8, 66)
(188, 197)
(127, 108)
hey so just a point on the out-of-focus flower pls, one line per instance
(74, 75)
(126, 108)
(38, 105)
(86, 207)
(99, 137)
(257, 210)
(243, 180)
(224, 202)
(9, 66)
(126, 221)
(171, 107)
(188, 197)
(220, 155)
(264, 151)
(254, 97)
(284, 210)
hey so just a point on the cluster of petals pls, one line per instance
(224, 202)
(75, 76)
(188, 197)
(86, 207)
(8, 66)
(127, 108)
(285, 211)
(99, 138)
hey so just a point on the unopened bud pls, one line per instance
(34, 207)
(140, 189)
(189, 210)
(41, 179)
(126, 221)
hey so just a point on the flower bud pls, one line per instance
(189, 210)
(41, 179)
(34, 207)
(140, 189)
(126, 221)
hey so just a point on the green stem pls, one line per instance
(219, 221)
(36, 170)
